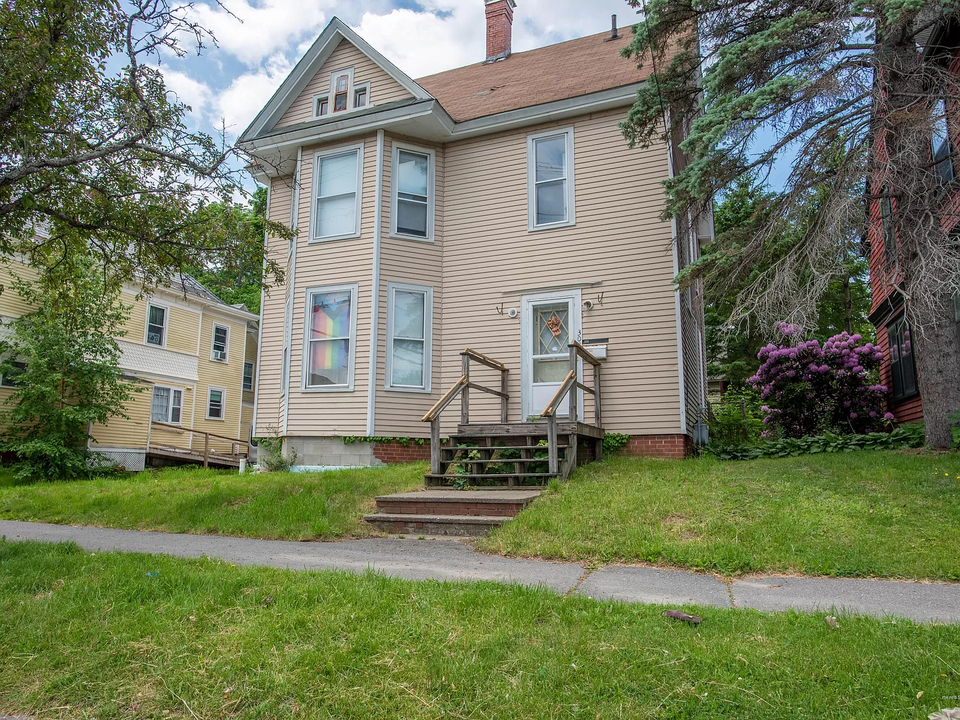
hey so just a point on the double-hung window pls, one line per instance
(941, 145)
(9, 378)
(336, 184)
(901, 359)
(341, 92)
(216, 402)
(248, 376)
(221, 341)
(167, 405)
(413, 193)
(330, 329)
(409, 323)
(156, 325)
(550, 184)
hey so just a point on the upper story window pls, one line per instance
(901, 359)
(221, 341)
(156, 325)
(343, 95)
(330, 328)
(9, 378)
(248, 376)
(940, 143)
(412, 203)
(887, 227)
(550, 185)
(409, 323)
(337, 177)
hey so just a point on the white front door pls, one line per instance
(550, 322)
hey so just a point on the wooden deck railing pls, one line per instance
(572, 386)
(236, 444)
(462, 388)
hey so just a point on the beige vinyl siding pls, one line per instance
(11, 304)
(337, 262)
(414, 262)
(130, 432)
(618, 240)
(383, 88)
(228, 375)
(182, 323)
(269, 402)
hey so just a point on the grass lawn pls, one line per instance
(866, 513)
(135, 636)
(289, 506)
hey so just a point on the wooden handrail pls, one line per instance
(489, 391)
(568, 382)
(199, 432)
(585, 354)
(446, 399)
(484, 360)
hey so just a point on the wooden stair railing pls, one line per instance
(235, 443)
(462, 387)
(572, 386)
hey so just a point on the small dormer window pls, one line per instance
(360, 97)
(323, 107)
(340, 93)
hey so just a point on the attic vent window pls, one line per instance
(340, 93)
(323, 107)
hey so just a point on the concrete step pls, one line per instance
(456, 525)
(495, 503)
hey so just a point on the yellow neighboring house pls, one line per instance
(196, 358)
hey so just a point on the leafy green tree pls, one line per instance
(95, 155)
(65, 362)
(237, 279)
(829, 81)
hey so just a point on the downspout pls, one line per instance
(266, 247)
(288, 319)
(375, 290)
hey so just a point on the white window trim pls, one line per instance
(213, 337)
(427, 290)
(395, 189)
(317, 157)
(166, 323)
(285, 353)
(352, 87)
(223, 403)
(314, 115)
(532, 177)
(353, 96)
(354, 291)
(243, 377)
(171, 388)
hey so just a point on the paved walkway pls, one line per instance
(444, 560)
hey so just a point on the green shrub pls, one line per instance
(614, 441)
(905, 436)
(737, 419)
(270, 455)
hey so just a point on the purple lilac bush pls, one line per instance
(809, 388)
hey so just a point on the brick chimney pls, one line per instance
(499, 29)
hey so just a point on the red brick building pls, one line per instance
(898, 368)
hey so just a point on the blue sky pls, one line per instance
(230, 83)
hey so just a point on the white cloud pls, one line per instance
(248, 93)
(191, 92)
(256, 29)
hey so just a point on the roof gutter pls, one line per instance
(375, 290)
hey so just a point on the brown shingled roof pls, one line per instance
(556, 72)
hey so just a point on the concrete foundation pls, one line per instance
(330, 452)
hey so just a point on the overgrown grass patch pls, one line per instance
(136, 636)
(857, 514)
(289, 506)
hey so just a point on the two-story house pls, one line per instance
(494, 207)
(193, 358)
(898, 369)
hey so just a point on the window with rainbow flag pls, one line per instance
(329, 333)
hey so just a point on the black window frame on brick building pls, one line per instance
(903, 368)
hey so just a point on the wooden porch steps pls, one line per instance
(449, 512)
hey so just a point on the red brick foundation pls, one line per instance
(674, 447)
(394, 453)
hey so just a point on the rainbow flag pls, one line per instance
(330, 321)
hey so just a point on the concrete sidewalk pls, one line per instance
(444, 560)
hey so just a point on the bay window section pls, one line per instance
(550, 187)
(336, 207)
(330, 338)
(412, 205)
(409, 338)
